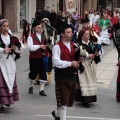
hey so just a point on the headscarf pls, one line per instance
(81, 33)
(2, 21)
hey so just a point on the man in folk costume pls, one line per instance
(49, 33)
(37, 45)
(65, 65)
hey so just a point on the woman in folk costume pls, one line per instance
(103, 25)
(114, 20)
(8, 87)
(37, 45)
(87, 77)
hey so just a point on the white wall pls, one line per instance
(51, 4)
(32, 9)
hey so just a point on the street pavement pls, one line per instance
(36, 107)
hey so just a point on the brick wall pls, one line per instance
(88, 4)
(10, 13)
(94, 4)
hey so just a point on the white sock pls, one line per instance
(57, 113)
(31, 83)
(61, 112)
(42, 84)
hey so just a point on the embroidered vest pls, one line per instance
(2, 45)
(37, 53)
(65, 53)
(65, 73)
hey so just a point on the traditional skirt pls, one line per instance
(78, 95)
(7, 98)
(104, 37)
(118, 86)
(87, 87)
(64, 93)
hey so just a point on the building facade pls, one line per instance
(16, 10)
(86, 5)
(111, 4)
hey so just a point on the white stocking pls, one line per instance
(42, 84)
(61, 112)
(31, 83)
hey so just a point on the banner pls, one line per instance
(70, 5)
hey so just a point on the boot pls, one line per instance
(30, 90)
(1, 109)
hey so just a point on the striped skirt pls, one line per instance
(7, 98)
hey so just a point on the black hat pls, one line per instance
(85, 20)
(36, 22)
(61, 26)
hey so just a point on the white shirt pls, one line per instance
(91, 17)
(5, 39)
(95, 18)
(56, 52)
(69, 21)
(32, 47)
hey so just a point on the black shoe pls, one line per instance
(87, 105)
(53, 114)
(8, 105)
(1, 109)
(30, 90)
(42, 93)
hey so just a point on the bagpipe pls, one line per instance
(116, 40)
(49, 32)
(14, 41)
(95, 45)
(95, 48)
(80, 52)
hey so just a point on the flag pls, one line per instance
(70, 5)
